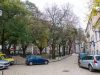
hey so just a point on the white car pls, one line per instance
(4, 64)
(92, 62)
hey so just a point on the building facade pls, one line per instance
(93, 31)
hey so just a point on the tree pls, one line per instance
(39, 27)
(22, 23)
(59, 18)
(70, 36)
(40, 34)
(32, 8)
(11, 19)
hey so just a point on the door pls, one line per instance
(98, 61)
(39, 60)
(33, 59)
(83, 61)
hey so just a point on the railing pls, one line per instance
(97, 52)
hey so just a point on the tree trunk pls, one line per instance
(53, 51)
(59, 51)
(8, 49)
(14, 49)
(70, 46)
(2, 40)
(41, 49)
(74, 47)
(24, 47)
(63, 50)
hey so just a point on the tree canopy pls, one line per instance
(22, 23)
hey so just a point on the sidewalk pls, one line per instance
(20, 60)
(59, 58)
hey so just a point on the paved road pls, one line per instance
(67, 66)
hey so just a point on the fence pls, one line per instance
(97, 52)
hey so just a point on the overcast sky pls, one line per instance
(80, 7)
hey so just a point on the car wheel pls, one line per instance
(30, 63)
(46, 62)
(90, 68)
(27, 63)
(7, 67)
(11, 63)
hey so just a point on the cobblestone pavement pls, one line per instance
(67, 66)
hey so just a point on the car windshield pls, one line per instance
(89, 58)
(98, 58)
(82, 55)
(30, 56)
(38, 57)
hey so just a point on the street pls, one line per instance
(67, 66)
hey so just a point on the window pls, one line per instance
(88, 58)
(33, 57)
(84, 58)
(98, 58)
(81, 55)
(99, 34)
(38, 57)
(96, 35)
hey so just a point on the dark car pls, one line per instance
(34, 59)
(80, 56)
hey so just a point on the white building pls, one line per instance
(93, 33)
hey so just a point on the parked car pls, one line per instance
(3, 64)
(80, 56)
(9, 59)
(35, 59)
(92, 62)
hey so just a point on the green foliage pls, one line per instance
(23, 24)
(40, 32)
(97, 2)
(14, 22)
